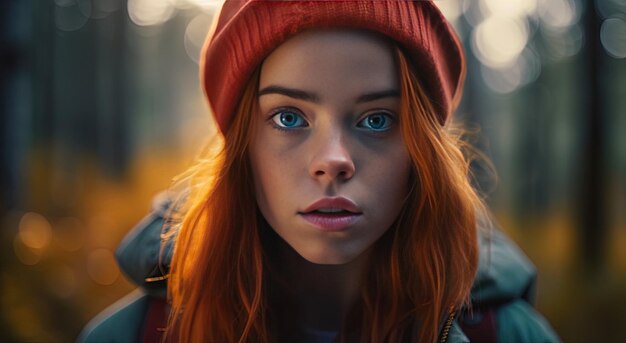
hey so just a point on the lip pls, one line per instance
(337, 202)
(332, 222)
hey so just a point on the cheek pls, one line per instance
(390, 181)
(401, 172)
(274, 175)
(261, 173)
(256, 158)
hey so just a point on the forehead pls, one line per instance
(332, 60)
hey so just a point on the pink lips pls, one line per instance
(325, 215)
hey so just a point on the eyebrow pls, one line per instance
(312, 97)
(390, 93)
(290, 92)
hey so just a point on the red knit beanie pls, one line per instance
(249, 30)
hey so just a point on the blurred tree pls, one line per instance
(14, 98)
(591, 206)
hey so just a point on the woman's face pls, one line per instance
(330, 168)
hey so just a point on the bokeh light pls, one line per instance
(101, 266)
(150, 12)
(525, 70)
(613, 37)
(99, 9)
(181, 4)
(559, 14)
(35, 231)
(529, 65)
(68, 16)
(24, 254)
(451, 9)
(509, 8)
(565, 43)
(206, 5)
(497, 41)
(473, 12)
(609, 8)
(501, 81)
(194, 35)
(85, 7)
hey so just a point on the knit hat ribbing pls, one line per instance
(247, 31)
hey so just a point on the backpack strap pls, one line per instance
(479, 325)
(155, 321)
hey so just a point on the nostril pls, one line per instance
(331, 169)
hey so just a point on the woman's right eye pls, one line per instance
(288, 119)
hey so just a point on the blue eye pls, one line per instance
(377, 122)
(288, 119)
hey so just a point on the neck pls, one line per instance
(322, 295)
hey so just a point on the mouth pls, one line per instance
(331, 211)
(333, 221)
(332, 214)
(332, 206)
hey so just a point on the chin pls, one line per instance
(328, 261)
(327, 257)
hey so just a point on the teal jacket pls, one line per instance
(504, 285)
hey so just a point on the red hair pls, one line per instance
(422, 267)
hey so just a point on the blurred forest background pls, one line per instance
(100, 108)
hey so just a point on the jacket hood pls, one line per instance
(143, 256)
(504, 272)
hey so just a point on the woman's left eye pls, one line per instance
(379, 121)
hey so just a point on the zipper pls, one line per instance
(447, 326)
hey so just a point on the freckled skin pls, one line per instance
(333, 155)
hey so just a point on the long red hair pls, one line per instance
(421, 269)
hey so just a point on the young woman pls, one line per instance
(336, 207)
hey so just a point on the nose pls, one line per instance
(332, 160)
